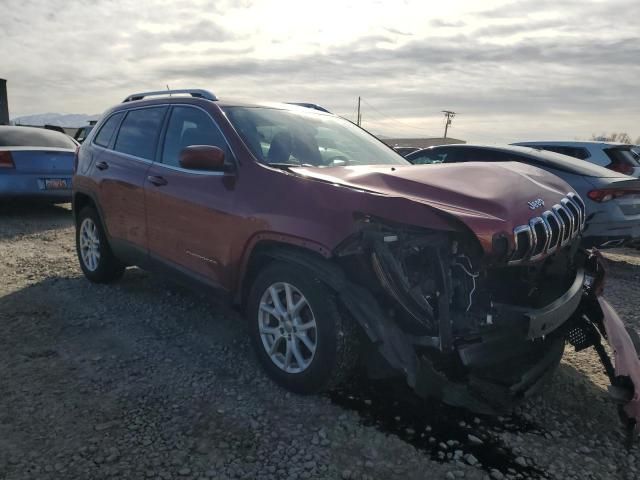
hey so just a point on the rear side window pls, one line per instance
(34, 137)
(622, 160)
(103, 138)
(455, 155)
(575, 152)
(622, 155)
(190, 126)
(139, 132)
(480, 155)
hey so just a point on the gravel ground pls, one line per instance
(146, 379)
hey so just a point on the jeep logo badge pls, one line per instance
(537, 203)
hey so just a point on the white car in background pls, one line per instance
(615, 156)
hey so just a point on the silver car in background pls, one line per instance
(612, 199)
(619, 157)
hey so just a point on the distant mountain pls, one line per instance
(60, 119)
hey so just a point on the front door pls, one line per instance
(188, 211)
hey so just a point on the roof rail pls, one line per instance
(207, 95)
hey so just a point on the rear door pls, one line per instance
(189, 211)
(121, 169)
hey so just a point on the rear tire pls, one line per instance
(96, 259)
(297, 331)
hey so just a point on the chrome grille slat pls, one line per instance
(556, 230)
(523, 239)
(577, 201)
(565, 218)
(552, 230)
(540, 240)
(575, 215)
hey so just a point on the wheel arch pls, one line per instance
(82, 199)
(265, 248)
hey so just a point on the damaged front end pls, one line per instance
(478, 334)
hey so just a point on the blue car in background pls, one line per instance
(36, 163)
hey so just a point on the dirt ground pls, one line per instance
(147, 379)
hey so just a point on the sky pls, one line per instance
(518, 70)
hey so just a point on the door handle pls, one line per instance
(102, 165)
(157, 181)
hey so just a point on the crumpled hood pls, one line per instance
(488, 197)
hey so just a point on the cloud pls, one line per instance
(568, 68)
(439, 22)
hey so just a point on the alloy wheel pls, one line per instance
(287, 327)
(89, 244)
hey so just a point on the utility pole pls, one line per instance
(359, 118)
(449, 116)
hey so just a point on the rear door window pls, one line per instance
(472, 155)
(139, 132)
(622, 160)
(190, 126)
(575, 152)
(481, 155)
(103, 138)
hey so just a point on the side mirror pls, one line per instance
(202, 157)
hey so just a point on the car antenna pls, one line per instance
(168, 89)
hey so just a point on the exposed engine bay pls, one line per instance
(482, 334)
(485, 335)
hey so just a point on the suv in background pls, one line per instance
(83, 132)
(461, 279)
(614, 156)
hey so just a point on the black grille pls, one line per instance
(582, 336)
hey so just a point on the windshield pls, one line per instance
(286, 137)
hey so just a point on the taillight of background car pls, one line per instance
(6, 160)
(606, 194)
(75, 159)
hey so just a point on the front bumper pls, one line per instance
(543, 321)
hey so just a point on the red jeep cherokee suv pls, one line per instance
(466, 279)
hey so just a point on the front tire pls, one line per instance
(97, 261)
(298, 334)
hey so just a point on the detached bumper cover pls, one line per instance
(626, 359)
